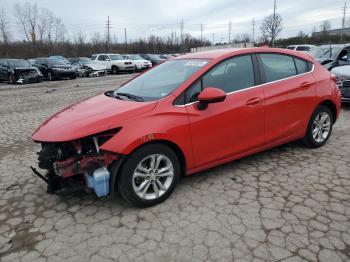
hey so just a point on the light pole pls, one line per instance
(274, 24)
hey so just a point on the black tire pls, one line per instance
(309, 140)
(115, 70)
(73, 77)
(12, 79)
(125, 177)
(49, 76)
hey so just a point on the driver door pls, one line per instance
(233, 126)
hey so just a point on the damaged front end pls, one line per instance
(77, 165)
(27, 75)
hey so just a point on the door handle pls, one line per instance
(305, 84)
(253, 101)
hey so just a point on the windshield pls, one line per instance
(19, 63)
(136, 57)
(163, 79)
(86, 59)
(326, 52)
(56, 62)
(116, 57)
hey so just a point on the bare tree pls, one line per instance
(27, 16)
(325, 26)
(59, 30)
(270, 27)
(4, 27)
(44, 23)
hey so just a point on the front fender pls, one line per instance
(171, 126)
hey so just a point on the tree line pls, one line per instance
(45, 34)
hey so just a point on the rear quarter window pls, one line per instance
(302, 66)
(277, 66)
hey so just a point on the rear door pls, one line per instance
(288, 95)
(233, 126)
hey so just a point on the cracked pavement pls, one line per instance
(286, 204)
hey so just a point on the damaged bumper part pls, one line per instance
(76, 165)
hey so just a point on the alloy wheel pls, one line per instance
(153, 176)
(321, 127)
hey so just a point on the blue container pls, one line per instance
(99, 181)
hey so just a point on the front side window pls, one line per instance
(303, 48)
(277, 66)
(232, 75)
(163, 79)
(102, 58)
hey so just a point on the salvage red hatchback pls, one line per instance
(186, 115)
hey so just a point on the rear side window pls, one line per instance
(302, 66)
(277, 66)
(303, 48)
(232, 75)
(102, 58)
(93, 57)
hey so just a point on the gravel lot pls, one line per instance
(289, 203)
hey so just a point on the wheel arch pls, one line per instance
(331, 105)
(117, 165)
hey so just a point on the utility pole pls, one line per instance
(181, 29)
(229, 31)
(213, 38)
(343, 21)
(108, 26)
(274, 23)
(125, 36)
(253, 24)
(201, 33)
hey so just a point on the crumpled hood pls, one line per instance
(342, 71)
(88, 117)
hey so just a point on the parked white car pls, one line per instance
(302, 48)
(114, 62)
(140, 63)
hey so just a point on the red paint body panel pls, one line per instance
(246, 122)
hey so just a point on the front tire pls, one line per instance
(149, 175)
(49, 76)
(114, 70)
(12, 79)
(319, 128)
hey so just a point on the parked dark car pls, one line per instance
(53, 68)
(19, 71)
(86, 67)
(331, 56)
(165, 56)
(343, 80)
(155, 59)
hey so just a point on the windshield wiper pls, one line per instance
(130, 96)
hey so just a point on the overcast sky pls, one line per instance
(160, 17)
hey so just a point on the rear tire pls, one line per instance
(319, 128)
(149, 175)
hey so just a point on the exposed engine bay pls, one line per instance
(77, 165)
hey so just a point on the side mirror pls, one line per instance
(210, 95)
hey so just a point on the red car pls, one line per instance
(188, 114)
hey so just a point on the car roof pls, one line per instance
(228, 52)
